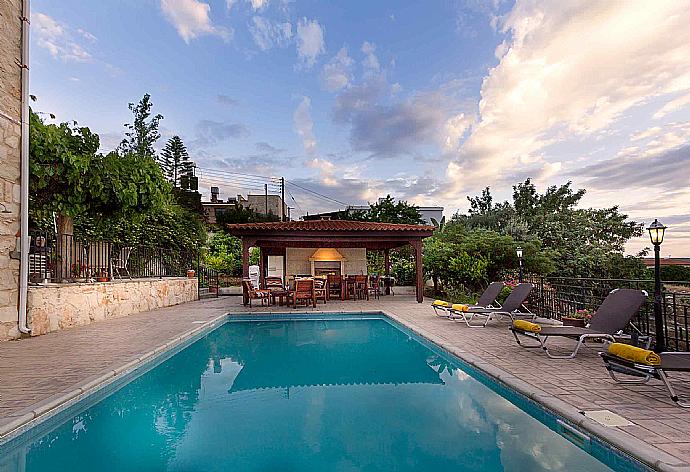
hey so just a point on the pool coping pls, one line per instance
(624, 442)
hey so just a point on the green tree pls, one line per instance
(584, 242)
(143, 132)
(175, 162)
(387, 210)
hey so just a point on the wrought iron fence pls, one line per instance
(556, 297)
(71, 259)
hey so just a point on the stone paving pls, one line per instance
(39, 369)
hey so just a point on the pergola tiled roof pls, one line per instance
(274, 237)
(327, 225)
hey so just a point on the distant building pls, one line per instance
(261, 204)
(667, 261)
(427, 213)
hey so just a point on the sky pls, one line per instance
(426, 101)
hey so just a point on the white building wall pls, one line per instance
(298, 260)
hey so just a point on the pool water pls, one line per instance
(336, 395)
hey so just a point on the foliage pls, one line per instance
(584, 242)
(243, 215)
(122, 198)
(175, 162)
(674, 273)
(472, 258)
(386, 210)
(225, 254)
(61, 161)
(143, 131)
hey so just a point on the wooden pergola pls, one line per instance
(274, 238)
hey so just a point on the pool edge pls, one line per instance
(45, 409)
(645, 453)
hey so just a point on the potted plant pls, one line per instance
(102, 276)
(580, 318)
(78, 271)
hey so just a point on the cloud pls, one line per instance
(57, 39)
(310, 42)
(371, 62)
(264, 147)
(672, 106)
(258, 4)
(192, 19)
(386, 129)
(210, 133)
(667, 169)
(268, 34)
(337, 73)
(305, 126)
(549, 86)
(86, 35)
(226, 100)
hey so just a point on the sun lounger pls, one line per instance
(645, 365)
(487, 300)
(612, 316)
(513, 307)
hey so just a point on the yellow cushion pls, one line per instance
(440, 303)
(460, 307)
(634, 354)
(526, 326)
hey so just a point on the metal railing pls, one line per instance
(556, 297)
(208, 278)
(71, 259)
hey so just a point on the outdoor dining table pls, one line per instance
(281, 295)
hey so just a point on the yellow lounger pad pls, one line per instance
(634, 354)
(460, 307)
(441, 303)
(524, 325)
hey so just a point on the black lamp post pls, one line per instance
(656, 235)
(519, 254)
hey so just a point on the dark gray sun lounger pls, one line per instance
(513, 307)
(487, 300)
(670, 362)
(612, 316)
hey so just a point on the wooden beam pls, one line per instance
(419, 268)
(387, 269)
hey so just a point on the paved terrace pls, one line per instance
(36, 372)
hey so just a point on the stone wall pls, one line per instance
(298, 260)
(10, 132)
(59, 306)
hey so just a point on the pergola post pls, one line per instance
(246, 244)
(387, 269)
(418, 263)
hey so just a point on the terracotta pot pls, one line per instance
(578, 322)
(191, 273)
(102, 279)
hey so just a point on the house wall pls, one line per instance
(58, 306)
(10, 133)
(258, 204)
(298, 260)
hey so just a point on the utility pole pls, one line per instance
(266, 198)
(282, 199)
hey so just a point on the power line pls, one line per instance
(293, 199)
(325, 197)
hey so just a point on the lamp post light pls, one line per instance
(656, 235)
(519, 254)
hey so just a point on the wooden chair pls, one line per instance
(351, 282)
(273, 283)
(320, 289)
(304, 290)
(254, 293)
(361, 289)
(374, 286)
(335, 286)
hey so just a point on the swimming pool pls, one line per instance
(297, 393)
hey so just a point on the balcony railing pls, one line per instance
(556, 297)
